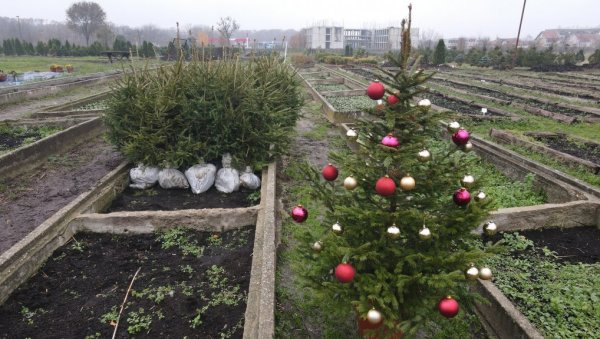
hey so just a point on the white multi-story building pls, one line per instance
(336, 37)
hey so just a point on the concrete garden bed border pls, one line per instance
(25, 258)
(32, 155)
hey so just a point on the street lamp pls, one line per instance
(19, 24)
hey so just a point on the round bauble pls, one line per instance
(407, 183)
(390, 141)
(393, 232)
(468, 147)
(424, 103)
(375, 91)
(480, 196)
(374, 316)
(392, 100)
(490, 228)
(385, 186)
(461, 137)
(485, 273)
(330, 172)
(468, 181)
(453, 127)
(461, 197)
(344, 272)
(350, 183)
(424, 155)
(337, 228)
(352, 134)
(317, 246)
(299, 213)
(425, 233)
(472, 273)
(448, 307)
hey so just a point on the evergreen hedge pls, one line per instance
(184, 113)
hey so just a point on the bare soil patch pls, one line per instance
(32, 197)
(79, 290)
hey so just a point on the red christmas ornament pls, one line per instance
(392, 100)
(461, 137)
(390, 140)
(448, 307)
(330, 173)
(299, 213)
(461, 197)
(344, 272)
(385, 186)
(375, 90)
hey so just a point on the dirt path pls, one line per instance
(29, 199)
(24, 108)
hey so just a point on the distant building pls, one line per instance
(569, 38)
(337, 37)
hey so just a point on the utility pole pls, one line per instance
(19, 24)
(518, 35)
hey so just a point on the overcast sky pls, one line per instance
(450, 18)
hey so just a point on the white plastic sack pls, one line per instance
(172, 178)
(228, 179)
(143, 177)
(249, 180)
(201, 177)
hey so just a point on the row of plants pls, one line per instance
(186, 113)
(354, 103)
(55, 47)
(336, 59)
(560, 299)
(12, 137)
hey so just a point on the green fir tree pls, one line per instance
(400, 271)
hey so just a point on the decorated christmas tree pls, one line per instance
(397, 240)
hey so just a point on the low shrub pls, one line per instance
(181, 114)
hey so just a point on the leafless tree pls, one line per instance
(85, 18)
(226, 26)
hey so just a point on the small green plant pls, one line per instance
(155, 294)
(93, 336)
(181, 238)
(29, 315)
(215, 240)
(110, 317)
(138, 322)
(77, 246)
(187, 269)
(254, 197)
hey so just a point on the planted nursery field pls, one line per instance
(346, 104)
(12, 136)
(586, 150)
(183, 283)
(552, 276)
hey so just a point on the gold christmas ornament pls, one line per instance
(490, 228)
(350, 183)
(485, 273)
(337, 228)
(393, 232)
(453, 127)
(480, 196)
(317, 246)
(468, 181)
(407, 183)
(424, 155)
(374, 316)
(425, 233)
(352, 134)
(472, 273)
(468, 147)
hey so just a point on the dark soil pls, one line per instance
(17, 137)
(572, 245)
(588, 151)
(81, 283)
(32, 197)
(158, 199)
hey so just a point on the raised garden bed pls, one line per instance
(189, 283)
(14, 136)
(356, 103)
(330, 87)
(552, 276)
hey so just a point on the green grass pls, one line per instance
(82, 65)
(561, 300)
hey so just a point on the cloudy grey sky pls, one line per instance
(450, 18)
